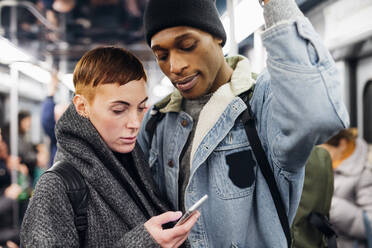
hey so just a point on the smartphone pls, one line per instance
(191, 210)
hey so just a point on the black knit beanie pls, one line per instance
(201, 14)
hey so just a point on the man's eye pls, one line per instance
(162, 56)
(189, 47)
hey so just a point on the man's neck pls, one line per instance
(223, 76)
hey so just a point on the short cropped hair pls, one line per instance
(106, 65)
(349, 135)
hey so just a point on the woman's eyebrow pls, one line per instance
(121, 102)
(144, 100)
(127, 103)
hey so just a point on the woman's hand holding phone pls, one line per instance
(173, 237)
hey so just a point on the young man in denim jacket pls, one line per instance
(200, 146)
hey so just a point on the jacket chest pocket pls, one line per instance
(233, 172)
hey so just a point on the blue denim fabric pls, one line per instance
(297, 104)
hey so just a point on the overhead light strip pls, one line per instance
(10, 53)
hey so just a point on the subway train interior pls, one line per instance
(41, 40)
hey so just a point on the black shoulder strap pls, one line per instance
(156, 116)
(259, 153)
(77, 192)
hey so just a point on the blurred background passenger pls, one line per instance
(42, 163)
(50, 114)
(7, 231)
(92, 13)
(352, 189)
(26, 149)
(10, 194)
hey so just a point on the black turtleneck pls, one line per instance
(126, 160)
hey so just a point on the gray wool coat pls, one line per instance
(114, 220)
(352, 195)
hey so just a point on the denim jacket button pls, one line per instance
(184, 123)
(170, 163)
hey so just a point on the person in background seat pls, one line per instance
(353, 187)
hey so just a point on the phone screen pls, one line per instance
(191, 210)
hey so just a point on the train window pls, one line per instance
(367, 111)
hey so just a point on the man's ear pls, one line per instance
(219, 41)
(81, 105)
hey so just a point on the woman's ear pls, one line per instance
(81, 105)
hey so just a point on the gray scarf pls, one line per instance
(79, 143)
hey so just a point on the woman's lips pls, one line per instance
(128, 140)
(187, 83)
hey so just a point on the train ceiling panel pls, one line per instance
(88, 24)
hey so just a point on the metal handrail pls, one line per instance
(29, 6)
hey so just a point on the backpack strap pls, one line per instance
(156, 116)
(151, 124)
(77, 193)
(259, 153)
(321, 222)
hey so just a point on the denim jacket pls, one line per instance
(296, 103)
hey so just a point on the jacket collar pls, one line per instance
(242, 80)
